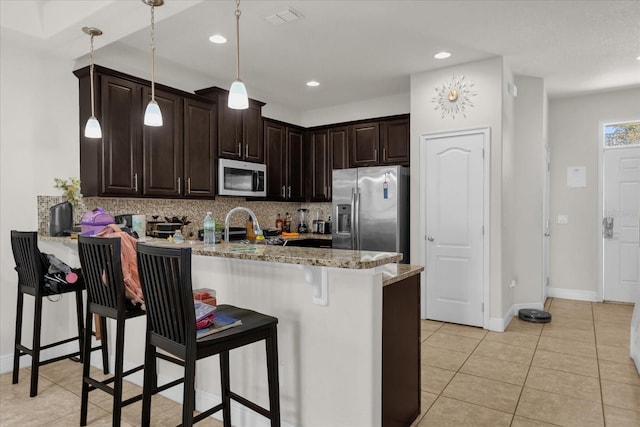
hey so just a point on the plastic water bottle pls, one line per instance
(209, 230)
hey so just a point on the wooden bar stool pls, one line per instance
(24, 245)
(165, 275)
(100, 258)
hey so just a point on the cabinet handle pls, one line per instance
(375, 154)
(384, 154)
(179, 186)
(246, 151)
(189, 185)
(329, 193)
(283, 192)
(135, 182)
(289, 192)
(239, 149)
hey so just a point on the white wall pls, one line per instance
(38, 142)
(487, 112)
(529, 165)
(574, 126)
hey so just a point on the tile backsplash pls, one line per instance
(194, 210)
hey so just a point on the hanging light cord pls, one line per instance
(238, 38)
(153, 55)
(91, 78)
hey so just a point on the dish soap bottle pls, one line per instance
(251, 235)
(209, 230)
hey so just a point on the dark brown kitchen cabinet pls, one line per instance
(200, 132)
(319, 179)
(328, 150)
(394, 140)
(170, 161)
(120, 168)
(162, 147)
(339, 147)
(284, 158)
(239, 131)
(384, 142)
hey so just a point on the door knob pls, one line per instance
(547, 234)
(430, 238)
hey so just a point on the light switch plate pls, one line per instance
(563, 219)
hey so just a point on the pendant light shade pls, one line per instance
(238, 98)
(92, 128)
(152, 114)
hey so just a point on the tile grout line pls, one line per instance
(595, 335)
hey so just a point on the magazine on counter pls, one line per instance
(220, 323)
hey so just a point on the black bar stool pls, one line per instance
(165, 275)
(24, 245)
(100, 258)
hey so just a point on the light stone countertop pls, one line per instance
(403, 271)
(336, 258)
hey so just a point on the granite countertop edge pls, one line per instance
(335, 258)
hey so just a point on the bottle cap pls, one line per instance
(209, 213)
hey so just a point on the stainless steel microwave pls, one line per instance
(238, 178)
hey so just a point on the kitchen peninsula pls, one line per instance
(348, 331)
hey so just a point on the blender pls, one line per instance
(302, 223)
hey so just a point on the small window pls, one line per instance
(622, 134)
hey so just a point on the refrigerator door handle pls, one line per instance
(352, 219)
(356, 219)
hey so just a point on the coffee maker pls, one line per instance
(60, 219)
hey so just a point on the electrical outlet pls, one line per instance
(512, 284)
(563, 219)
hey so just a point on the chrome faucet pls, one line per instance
(256, 227)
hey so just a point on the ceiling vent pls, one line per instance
(285, 16)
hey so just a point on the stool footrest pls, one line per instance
(249, 404)
(166, 386)
(201, 416)
(24, 351)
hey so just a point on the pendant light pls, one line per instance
(152, 115)
(238, 98)
(92, 128)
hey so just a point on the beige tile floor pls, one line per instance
(574, 371)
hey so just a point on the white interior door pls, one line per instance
(546, 223)
(621, 253)
(454, 228)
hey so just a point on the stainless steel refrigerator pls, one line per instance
(371, 209)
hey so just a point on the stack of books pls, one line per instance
(209, 322)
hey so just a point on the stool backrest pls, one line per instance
(100, 258)
(165, 275)
(26, 254)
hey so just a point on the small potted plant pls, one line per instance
(71, 190)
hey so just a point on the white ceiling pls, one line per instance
(357, 50)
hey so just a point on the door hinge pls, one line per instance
(483, 307)
(483, 153)
(483, 230)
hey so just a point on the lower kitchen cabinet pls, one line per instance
(284, 157)
(401, 352)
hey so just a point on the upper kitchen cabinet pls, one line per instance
(239, 131)
(384, 142)
(339, 147)
(284, 157)
(328, 149)
(174, 160)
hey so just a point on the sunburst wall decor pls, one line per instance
(454, 96)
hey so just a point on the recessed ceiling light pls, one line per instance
(313, 83)
(217, 39)
(442, 55)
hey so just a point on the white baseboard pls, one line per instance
(500, 324)
(574, 294)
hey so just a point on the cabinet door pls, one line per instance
(163, 147)
(365, 140)
(229, 130)
(121, 127)
(252, 146)
(394, 140)
(200, 132)
(339, 148)
(320, 173)
(295, 165)
(274, 142)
